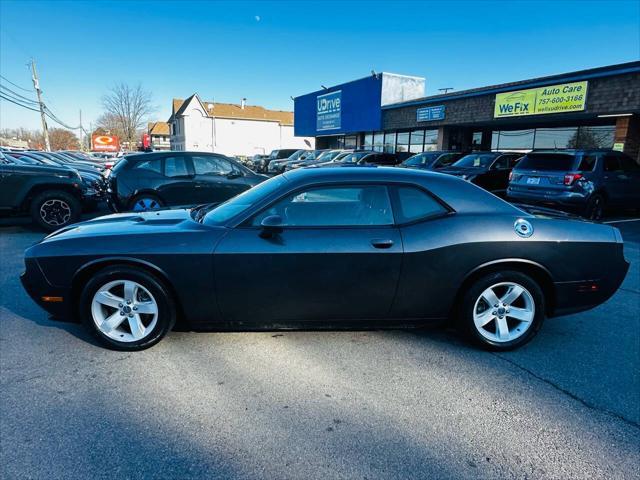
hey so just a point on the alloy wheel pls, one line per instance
(124, 310)
(144, 204)
(55, 212)
(504, 312)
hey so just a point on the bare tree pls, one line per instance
(128, 107)
(62, 139)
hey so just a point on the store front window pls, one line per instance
(367, 144)
(416, 142)
(403, 142)
(378, 141)
(554, 138)
(389, 142)
(430, 140)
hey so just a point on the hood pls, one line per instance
(132, 223)
(60, 171)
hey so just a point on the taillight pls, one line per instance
(570, 178)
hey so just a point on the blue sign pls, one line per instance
(428, 114)
(328, 111)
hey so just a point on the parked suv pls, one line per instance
(277, 155)
(52, 195)
(584, 181)
(148, 181)
(489, 170)
(278, 166)
(432, 160)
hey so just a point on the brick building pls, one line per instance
(599, 107)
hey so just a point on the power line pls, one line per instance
(17, 95)
(19, 104)
(15, 85)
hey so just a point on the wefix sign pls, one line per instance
(567, 97)
(105, 143)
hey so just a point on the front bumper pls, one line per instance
(43, 293)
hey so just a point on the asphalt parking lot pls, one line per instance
(366, 404)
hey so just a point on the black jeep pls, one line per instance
(52, 195)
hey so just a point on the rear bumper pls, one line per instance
(570, 200)
(578, 296)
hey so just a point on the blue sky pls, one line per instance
(269, 51)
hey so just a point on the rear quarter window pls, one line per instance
(414, 204)
(587, 164)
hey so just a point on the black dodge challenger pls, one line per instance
(328, 247)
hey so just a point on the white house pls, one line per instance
(231, 129)
(159, 135)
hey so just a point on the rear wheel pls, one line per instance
(145, 202)
(127, 308)
(502, 311)
(55, 209)
(595, 207)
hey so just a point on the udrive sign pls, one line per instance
(105, 143)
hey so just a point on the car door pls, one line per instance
(496, 179)
(216, 178)
(178, 186)
(337, 257)
(631, 183)
(9, 186)
(614, 179)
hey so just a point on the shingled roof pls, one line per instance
(233, 110)
(158, 128)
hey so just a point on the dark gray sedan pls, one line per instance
(328, 247)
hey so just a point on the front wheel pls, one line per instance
(145, 203)
(127, 308)
(55, 209)
(502, 310)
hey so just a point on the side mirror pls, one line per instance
(271, 225)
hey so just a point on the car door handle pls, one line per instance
(380, 243)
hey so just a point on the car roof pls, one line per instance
(461, 195)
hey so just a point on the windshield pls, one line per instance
(223, 212)
(476, 160)
(297, 155)
(328, 156)
(354, 157)
(421, 159)
(547, 161)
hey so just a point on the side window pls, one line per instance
(587, 163)
(611, 163)
(448, 158)
(514, 159)
(206, 165)
(414, 204)
(154, 165)
(501, 163)
(628, 163)
(333, 206)
(175, 167)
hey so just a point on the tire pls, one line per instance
(473, 311)
(113, 324)
(54, 209)
(145, 202)
(595, 207)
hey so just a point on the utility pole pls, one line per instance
(36, 85)
(81, 142)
